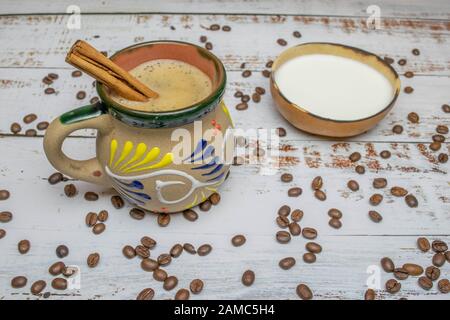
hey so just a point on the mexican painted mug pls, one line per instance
(135, 149)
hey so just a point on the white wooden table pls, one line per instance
(35, 40)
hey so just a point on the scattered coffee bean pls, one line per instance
(117, 202)
(397, 129)
(55, 178)
(286, 177)
(214, 198)
(446, 108)
(353, 185)
(413, 117)
(189, 248)
(379, 183)
(15, 128)
(313, 247)
(245, 98)
(399, 191)
(425, 283)
(266, 73)
(297, 34)
(284, 211)
(287, 263)
(2, 233)
(435, 146)
(226, 28)
(159, 275)
(91, 196)
(196, 286)
(295, 192)
(444, 286)
(415, 52)
(442, 129)
(91, 219)
(309, 233)
(94, 100)
(438, 138)
(69, 271)
(439, 246)
(31, 133)
(5, 216)
(149, 265)
(56, 268)
(182, 294)
(49, 91)
(37, 287)
(99, 228)
(443, 158)
(248, 278)
(282, 42)
(76, 73)
(238, 240)
(176, 250)
(317, 183)
(137, 214)
(170, 283)
(369, 294)
(260, 90)
(385, 154)
(148, 242)
(59, 284)
(93, 260)
(246, 73)
(402, 62)
(23, 246)
(335, 213)
(205, 205)
(355, 156)
(283, 237)
(281, 132)
(432, 273)
(241, 106)
(438, 259)
(294, 228)
(335, 223)
(411, 201)
(47, 80)
(256, 98)
(146, 294)
(360, 169)
(238, 94)
(128, 252)
(296, 215)
(409, 74)
(29, 118)
(413, 269)
(388, 60)
(320, 195)
(142, 251)
(423, 244)
(447, 256)
(375, 216)
(103, 216)
(393, 286)
(304, 292)
(204, 250)
(203, 39)
(376, 199)
(62, 251)
(282, 222)
(19, 282)
(387, 264)
(309, 257)
(164, 259)
(269, 64)
(214, 27)
(70, 190)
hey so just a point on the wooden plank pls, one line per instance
(22, 92)
(433, 9)
(44, 40)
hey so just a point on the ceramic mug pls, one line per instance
(134, 149)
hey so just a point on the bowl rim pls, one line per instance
(358, 50)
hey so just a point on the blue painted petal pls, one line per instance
(200, 146)
(209, 151)
(212, 163)
(218, 168)
(217, 178)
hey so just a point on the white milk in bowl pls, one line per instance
(334, 87)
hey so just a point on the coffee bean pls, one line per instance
(317, 183)
(438, 259)
(353, 185)
(443, 158)
(438, 138)
(204, 250)
(284, 211)
(296, 215)
(432, 273)
(69, 271)
(226, 28)
(203, 39)
(205, 205)
(19, 282)
(442, 129)
(335, 213)
(142, 251)
(76, 73)
(313, 247)
(309, 233)
(295, 192)
(93, 260)
(62, 251)
(376, 199)
(214, 198)
(182, 294)
(91, 219)
(47, 80)
(176, 250)
(415, 52)
(409, 74)
(70, 190)
(159, 275)
(37, 287)
(260, 90)
(283, 222)
(444, 286)
(281, 132)
(164, 259)
(294, 228)
(248, 278)
(30, 133)
(128, 252)
(99, 228)
(375, 216)
(283, 237)
(435, 146)
(413, 269)
(103, 216)
(439, 246)
(94, 100)
(246, 73)
(388, 60)
(117, 202)
(309, 257)
(446, 108)
(297, 34)
(335, 223)
(49, 91)
(245, 98)
(413, 117)
(81, 95)
(214, 27)
(238, 240)
(2, 233)
(397, 129)
(282, 42)
(286, 263)
(320, 195)
(385, 154)
(269, 64)
(137, 214)
(15, 128)
(447, 255)
(360, 169)
(189, 248)
(423, 244)
(387, 264)
(266, 73)
(5, 216)
(399, 191)
(148, 242)
(286, 177)
(393, 286)
(402, 62)
(401, 274)
(59, 284)
(55, 178)
(56, 268)
(91, 196)
(425, 283)
(241, 106)
(29, 118)
(149, 265)
(355, 156)
(369, 294)
(411, 201)
(196, 286)
(146, 294)
(256, 98)
(304, 292)
(170, 283)
(23, 246)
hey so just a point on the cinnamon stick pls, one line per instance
(86, 58)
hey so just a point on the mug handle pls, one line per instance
(91, 116)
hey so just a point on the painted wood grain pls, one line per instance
(43, 40)
(437, 9)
